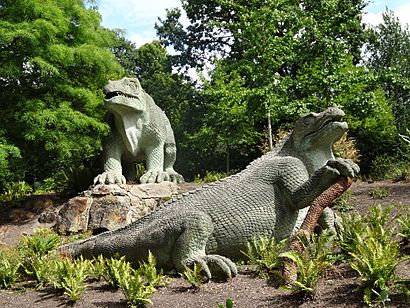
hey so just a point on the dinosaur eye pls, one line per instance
(308, 120)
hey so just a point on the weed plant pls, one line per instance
(264, 254)
(16, 191)
(152, 275)
(373, 248)
(194, 276)
(316, 258)
(9, 268)
(210, 176)
(379, 193)
(344, 202)
(228, 304)
(404, 224)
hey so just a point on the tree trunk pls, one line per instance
(289, 272)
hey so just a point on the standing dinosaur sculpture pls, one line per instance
(210, 226)
(141, 132)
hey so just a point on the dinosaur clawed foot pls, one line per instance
(219, 265)
(158, 176)
(109, 178)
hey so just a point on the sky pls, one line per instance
(138, 17)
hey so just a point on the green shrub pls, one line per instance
(115, 267)
(313, 262)
(210, 176)
(135, 290)
(264, 254)
(376, 261)
(379, 192)
(16, 191)
(386, 167)
(9, 268)
(404, 224)
(69, 276)
(39, 243)
(194, 276)
(344, 202)
(228, 304)
(149, 271)
(372, 245)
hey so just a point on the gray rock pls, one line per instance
(107, 207)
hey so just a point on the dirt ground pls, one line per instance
(337, 289)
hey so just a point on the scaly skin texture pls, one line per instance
(212, 225)
(141, 132)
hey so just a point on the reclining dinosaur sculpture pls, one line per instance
(269, 198)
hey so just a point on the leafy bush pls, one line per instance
(149, 271)
(69, 276)
(210, 176)
(194, 276)
(386, 167)
(379, 192)
(228, 304)
(344, 202)
(376, 261)
(264, 254)
(404, 224)
(372, 245)
(16, 191)
(9, 268)
(39, 243)
(313, 262)
(346, 147)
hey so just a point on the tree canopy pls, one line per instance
(55, 59)
(285, 56)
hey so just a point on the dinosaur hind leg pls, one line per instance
(190, 247)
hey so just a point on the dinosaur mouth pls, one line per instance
(334, 119)
(111, 95)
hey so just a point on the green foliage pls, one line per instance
(264, 254)
(379, 192)
(313, 262)
(344, 202)
(135, 290)
(194, 276)
(55, 61)
(39, 243)
(373, 249)
(69, 276)
(149, 271)
(228, 304)
(386, 167)
(282, 57)
(388, 55)
(210, 176)
(376, 261)
(114, 269)
(404, 224)
(136, 284)
(16, 191)
(9, 268)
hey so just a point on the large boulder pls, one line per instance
(107, 207)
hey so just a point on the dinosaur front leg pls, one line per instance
(190, 247)
(112, 163)
(155, 165)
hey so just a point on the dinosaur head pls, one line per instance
(124, 94)
(319, 131)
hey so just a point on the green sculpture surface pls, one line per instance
(141, 132)
(213, 224)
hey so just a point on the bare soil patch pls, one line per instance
(337, 289)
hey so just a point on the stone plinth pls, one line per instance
(107, 207)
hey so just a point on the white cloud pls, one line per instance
(137, 17)
(374, 16)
